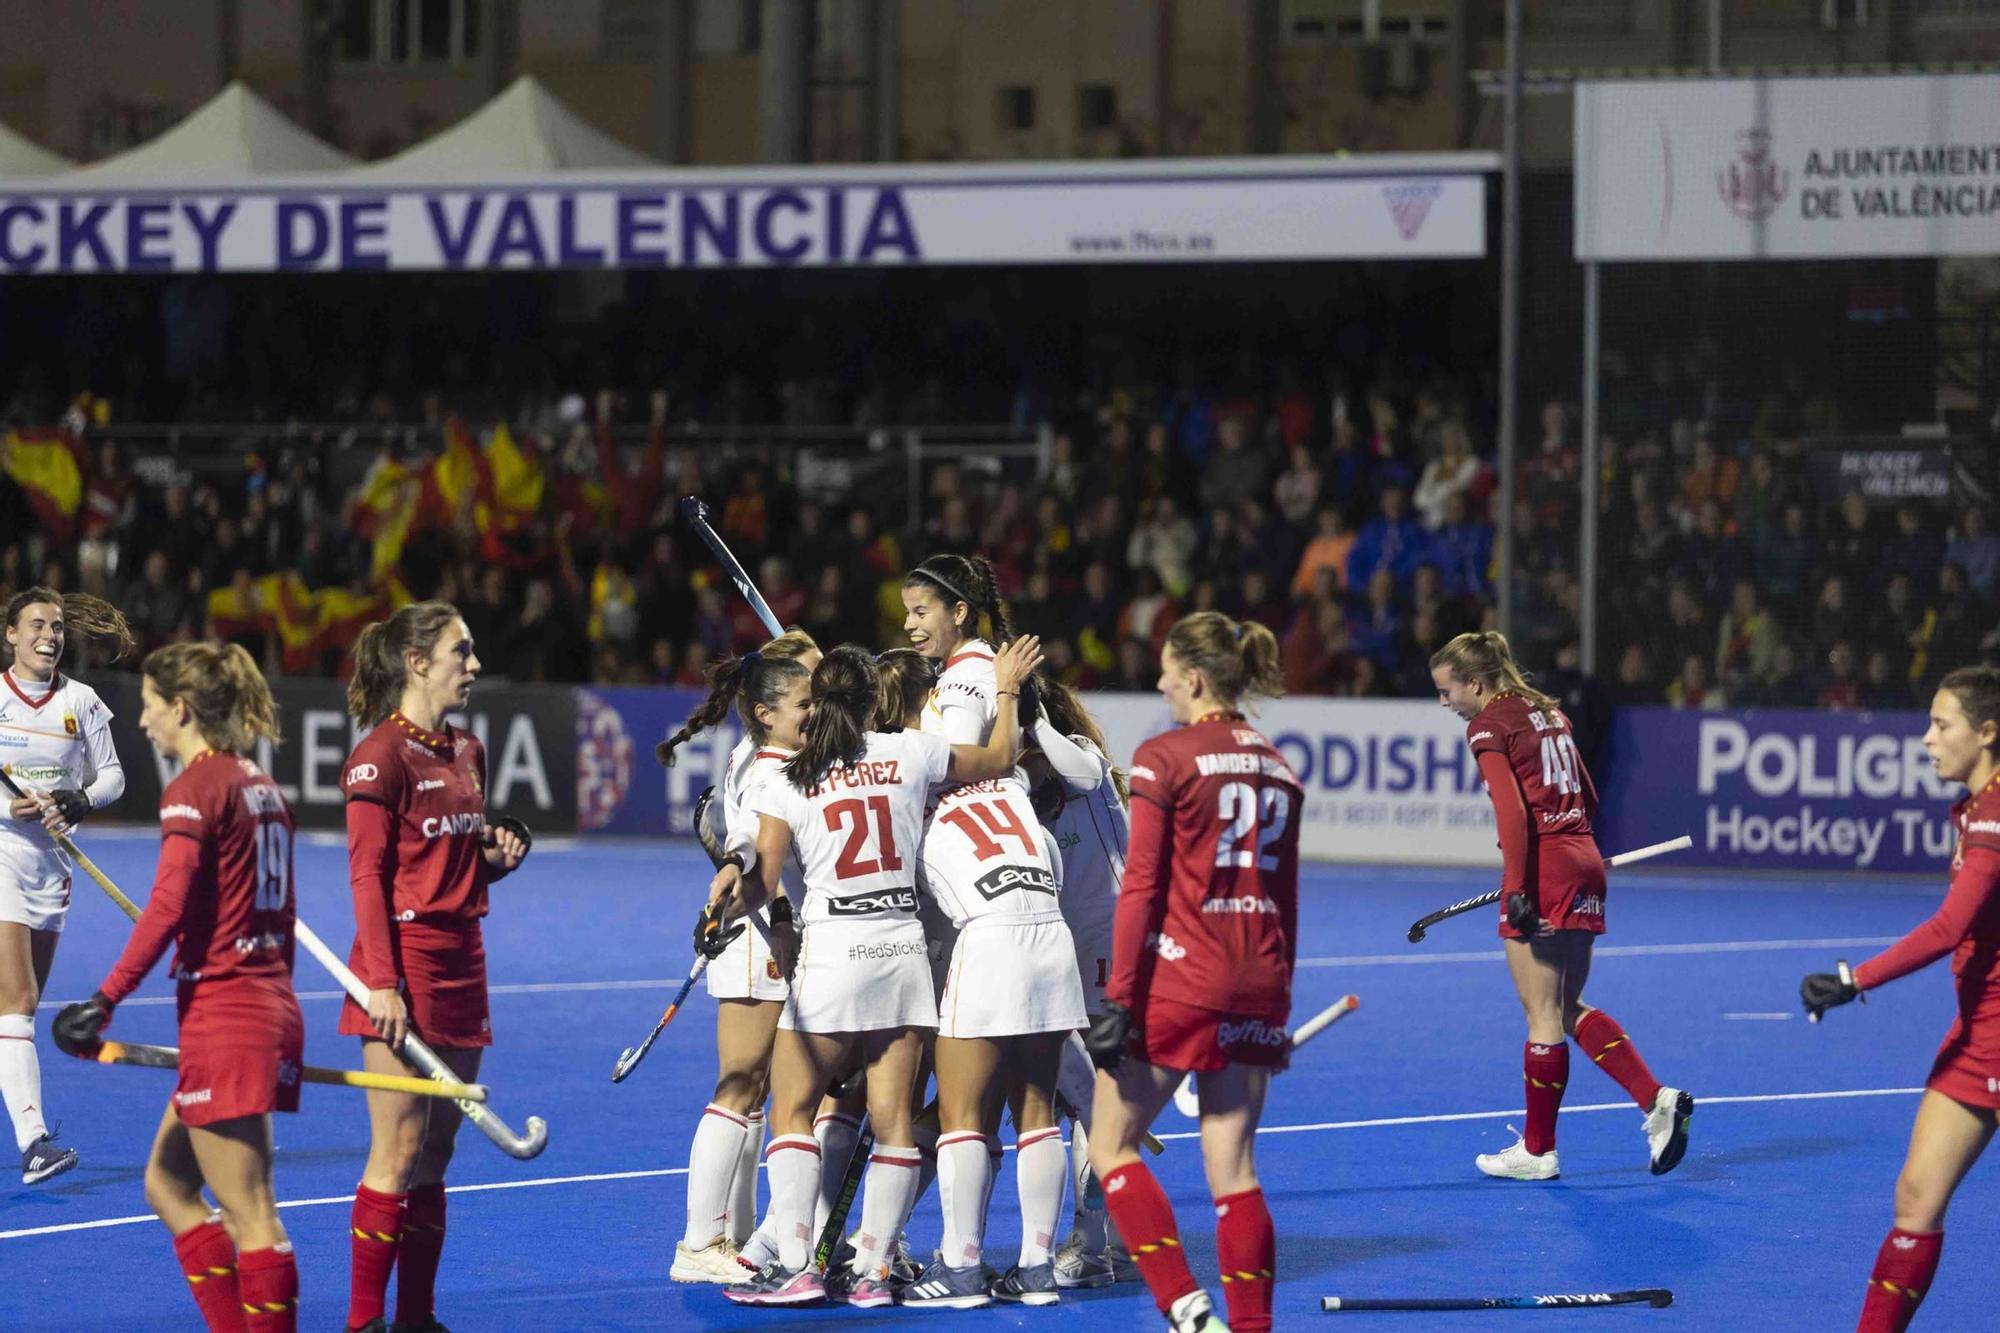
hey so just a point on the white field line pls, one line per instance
(1319, 1127)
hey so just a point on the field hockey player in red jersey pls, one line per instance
(1205, 934)
(1552, 900)
(222, 896)
(1961, 1102)
(420, 854)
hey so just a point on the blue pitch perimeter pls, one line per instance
(1773, 1219)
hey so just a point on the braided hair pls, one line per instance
(968, 579)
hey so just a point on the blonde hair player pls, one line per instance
(770, 690)
(55, 747)
(1551, 899)
(1201, 972)
(223, 898)
(421, 852)
(851, 803)
(1960, 1107)
(995, 873)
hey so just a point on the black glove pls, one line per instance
(79, 1028)
(711, 936)
(513, 826)
(1107, 1036)
(1030, 701)
(1047, 798)
(1821, 991)
(73, 805)
(1523, 915)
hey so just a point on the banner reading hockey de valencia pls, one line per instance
(1220, 210)
(1786, 168)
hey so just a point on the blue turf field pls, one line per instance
(1771, 1222)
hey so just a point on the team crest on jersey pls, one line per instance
(478, 783)
(69, 724)
(771, 971)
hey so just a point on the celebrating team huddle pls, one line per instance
(938, 907)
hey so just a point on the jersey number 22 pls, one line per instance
(1236, 807)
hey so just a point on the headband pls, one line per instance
(941, 582)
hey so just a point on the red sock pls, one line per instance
(417, 1266)
(375, 1234)
(1146, 1220)
(1606, 1043)
(1246, 1249)
(1544, 1073)
(208, 1257)
(1903, 1270)
(270, 1285)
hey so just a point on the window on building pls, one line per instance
(1017, 107)
(1096, 107)
(401, 32)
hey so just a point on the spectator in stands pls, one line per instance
(1712, 558)
(1138, 670)
(1950, 632)
(1756, 505)
(1883, 686)
(1710, 478)
(1898, 622)
(1256, 602)
(614, 605)
(1634, 683)
(545, 645)
(1296, 492)
(1348, 476)
(1451, 473)
(1833, 620)
(1692, 688)
(1840, 688)
(662, 663)
(1328, 550)
(1745, 640)
(1916, 547)
(1392, 541)
(1852, 549)
(1975, 550)
(157, 607)
(694, 667)
(1686, 631)
(1317, 656)
(487, 609)
(1548, 475)
(1164, 542)
(1375, 623)
(1462, 549)
(1784, 557)
(1420, 638)
(1147, 617)
(1225, 551)
(1236, 471)
(1273, 545)
(1539, 546)
(1783, 684)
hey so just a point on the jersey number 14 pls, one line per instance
(1560, 766)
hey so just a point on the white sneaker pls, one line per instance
(1195, 1313)
(1517, 1163)
(713, 1262)
(1667, 1129)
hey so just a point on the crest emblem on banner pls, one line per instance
(1410, 203)
(1753, 185)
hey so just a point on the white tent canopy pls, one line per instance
(23, 157)
(236, 134)
(526, 130)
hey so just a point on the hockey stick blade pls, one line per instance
(1657, 1297)
(1423, 924)
(629, 1058)
(698, 516)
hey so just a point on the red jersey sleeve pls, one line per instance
(374, 783)
(1510, 819)
(1974, 886)
(180, 866)
(1142, 901)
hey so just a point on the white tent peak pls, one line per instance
(525, 130)
(234, 134)
(22, 156)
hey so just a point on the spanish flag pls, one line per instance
(47, 464)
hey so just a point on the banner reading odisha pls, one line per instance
(1388, 207)
(1788, 168)
(1778, 789)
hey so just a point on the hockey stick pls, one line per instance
(1653, 1296)
(700, 518)
(1423, 924)
(629, 1058)
(1189, 1104)
(835, 1229)
(169, 1057)
(69, 849)
(427, 1062)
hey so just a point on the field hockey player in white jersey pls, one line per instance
(55, 746)
(1082, 800)
(850, 803)
(770, 690)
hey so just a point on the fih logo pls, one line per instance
(1410, 203)
(1753, 185)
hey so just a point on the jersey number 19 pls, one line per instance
(274, 863)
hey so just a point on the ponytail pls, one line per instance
(221, 686)
(846, 690)
(91, 618)
(906, 676)
(380, 673)
(1483, 656)
(1239, 658)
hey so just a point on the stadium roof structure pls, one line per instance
(21, 157)
(235, 135)
(525, 131)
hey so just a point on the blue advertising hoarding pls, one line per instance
(621, 789)
(1777, 789)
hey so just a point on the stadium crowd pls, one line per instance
(1355, 523)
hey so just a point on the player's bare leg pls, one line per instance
(25, 959)
(424, 1216)
(889, 1189)
(1947, 1138)
(722, 1161)
(1549, 972)
(1246, 1242)
(1128, 1100)
(235, 1160)
(1667, 1110)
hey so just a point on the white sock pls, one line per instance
(21, 1078)
(713, 1161)
(995, 1155)
(836, 1134)
(887, 1195)
(1040, 1167)
(792, 1162)
(963, 1179)
(760, 1249)
(1076, 1078)
(743, 1187)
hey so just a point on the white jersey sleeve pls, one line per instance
(857, 833)
(53, 740)
(962, 706)
(750, 767)
(1092, 832)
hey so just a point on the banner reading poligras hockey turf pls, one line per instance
(1411, 206)
(1777, 789)
(1385, 780)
